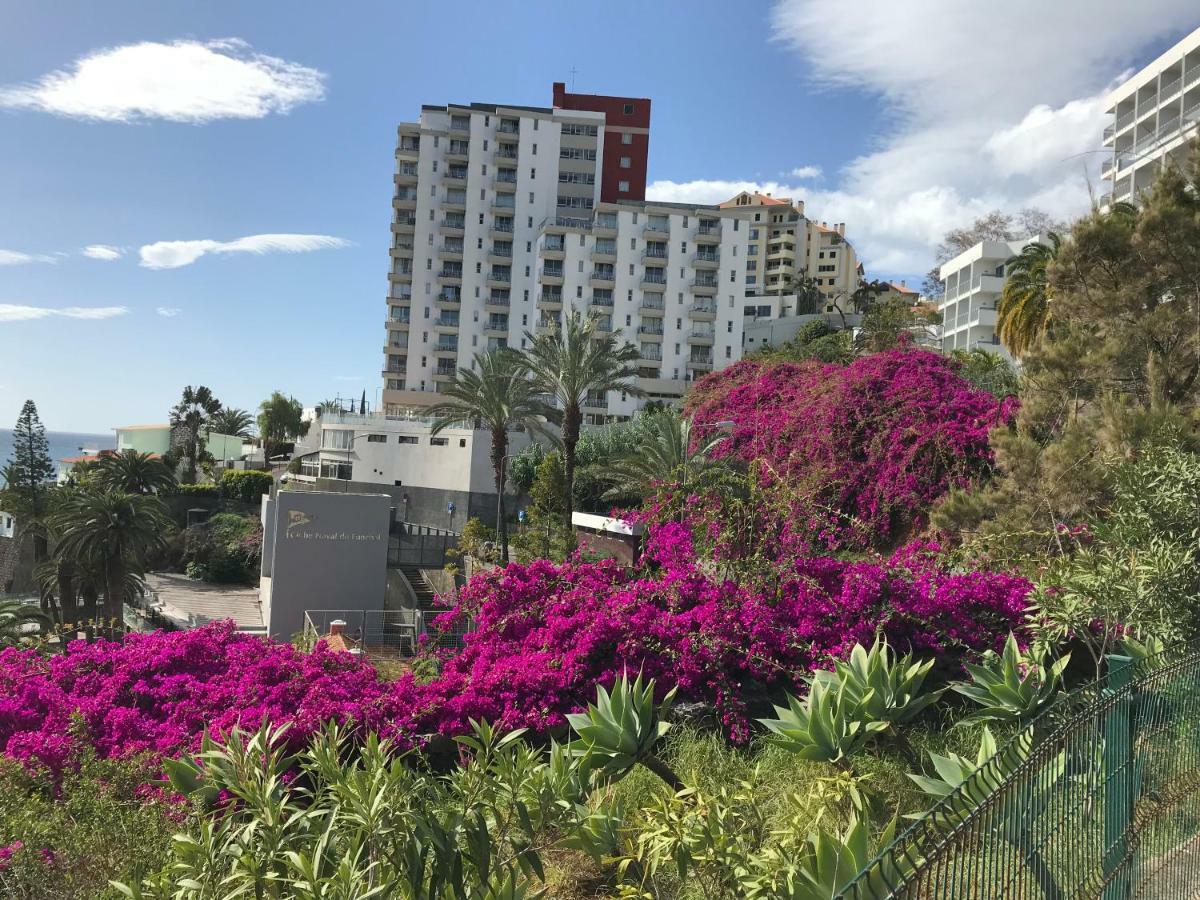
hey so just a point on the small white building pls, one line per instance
(973, 282)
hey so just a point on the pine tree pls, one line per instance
(29, 473)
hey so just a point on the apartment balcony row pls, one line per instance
(701, 311)
(499, 277)
(553, 247)
(602, 276)
(654, 256)
(652, 307)
(404, 223)
(505, 182)
(458, 151)
(551, 274)
(408, 148)
(703, 260)
(450, 250)
(406, 175)
(452, 225)
(455, 176)
(451, 299)
(703, 286)
(552, 300)
(702, 337)
(446, 323)
(450, 275)
(497, 299)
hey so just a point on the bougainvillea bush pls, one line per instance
(547, 634)
(156, 693)
(854, 455)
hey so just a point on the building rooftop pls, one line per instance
(141, 427)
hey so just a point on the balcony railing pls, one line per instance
(444, 297)
(501, 251)
(444, 322)
(654, 355)
(500, 275)
(652, 304)
(508, 128)
(649, 329)
(450, 273)
(604, 273)
(501, 153)
(707, 257)
(657, 228)
(554, 246)
(704, 282)
(601, 300)
(1125, 120)
(495, 299)
(551, 271)
(406, 220)
(606, 222)
(451, 223)
(709, 229)
(497, 325)
(1170, 87)
(410, 145)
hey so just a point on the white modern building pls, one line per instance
(510, 216)
(1155, 113)
(972, 283)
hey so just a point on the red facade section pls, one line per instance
(626, 119)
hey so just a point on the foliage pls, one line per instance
(189, 421)
(29, 470)
(247, 485)
(20, 623)
(225, 549)
(1024, 310)
(878, 686)
(280, 420)
(668, 455)
(133, 473)
(815, 340)
(988, 371)
(847, 456)
(81, 828)
(477, 541)
(232, 421)
(543, 535)
(1013, 686)
(198, 490)
(566, 365)
(825, 726)
(495, 394)
(896, 324)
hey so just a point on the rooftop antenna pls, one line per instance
(574, 72)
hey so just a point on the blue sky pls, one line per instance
(290, 130)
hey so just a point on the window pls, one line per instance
(572, 128)
(627, 138)
(406, 439)
(462, 442)
(337, 439)
(439, 441)
(626, 162)
(623, 187)
(629, 109)
(376, 438)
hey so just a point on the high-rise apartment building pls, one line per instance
(785, 246)
(626, 148)
(973, 282)
(1155, 113)
(500, 223)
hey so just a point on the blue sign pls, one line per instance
(450, 507)
(521, 516)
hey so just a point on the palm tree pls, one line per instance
(667, 454)
(115, 531)
(232, 421)
(133, 473)
(1024, 309)
(498, 395)
(570, 363)
(189, 418)
(16, 619)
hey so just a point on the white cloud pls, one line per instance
(104, 252)
(168, 311)
(805, 172)
(173, 254)
(979, 115)
(17, 258)
(11, 312)
(183, 81)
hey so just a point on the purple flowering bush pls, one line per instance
(156, 693)
(855, 454)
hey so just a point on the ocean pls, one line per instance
(62, 443)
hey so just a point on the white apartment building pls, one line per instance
(972, 283)
(1155, 113)
(498, 226)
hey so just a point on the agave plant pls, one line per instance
(824, 726)
(1014, 686)
(881, 687)
(621, 728)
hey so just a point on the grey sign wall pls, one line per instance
(327, 551)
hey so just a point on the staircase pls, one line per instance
(425, 602)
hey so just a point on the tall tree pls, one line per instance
(232, 421)
(115, 531)
(133, 473)
(498, 395)
(189, 421)
(568, 364)
(280, 420)
(28, 476)
(1023, 312)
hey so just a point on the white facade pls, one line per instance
(8, 525)
(401, 452)
(972, 283)
(1155, 113)
(498, 227)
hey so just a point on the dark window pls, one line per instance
(406, 439)
(629, 109)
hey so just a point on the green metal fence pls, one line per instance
(1099, 797)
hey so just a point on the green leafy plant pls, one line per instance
(823, 727)
(246, 485)
(1013, 686)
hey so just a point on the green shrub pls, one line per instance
(246, 485)
(198, 490)
(226, 549)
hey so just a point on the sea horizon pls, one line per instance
(62, 444)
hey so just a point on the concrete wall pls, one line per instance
(426, 506)
(328, 551)
(145, 440)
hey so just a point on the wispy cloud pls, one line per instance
(105, 252)
(173, 254)
(11, 312)
(17, 258)
(1004, 120)
(806, 172)
(182, 81)
(168, 311)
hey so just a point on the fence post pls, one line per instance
(1118, 778)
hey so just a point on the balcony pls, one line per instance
(499, 277)
(444, 347)
(655, 257)
(652, 307)
(401, 294)
(703, 311)
(509, 126)
(1124, 121)
(605, 225)
(604, 251)
(399, 322)
(551, 300)
(460, 125)
(553, 249)
(444, 375)
(549, 323)
(703, 286)
(604, 324)
(452, 225)
(708, 232)
(604, 300)
(450, 250)
(406, 176)
(706, 260)
(602, 277)
(781, 250)
(592, 401)
(500, 255)
(501, 229)
(703, 337)
(701, 363)
(497, 300)
(450, 276)
(404, 224)
(455, 200)
(401, 276)
(659, 229)
(1109, 133)
(408, 148)
(401, 251)
(458, 151)
(650, 354)
(559, 224)
(654, 278)
(549, 274)
(446, 324)
(505, 183)
(449, 299)
(506, 151)
(496, 327)
(648, 332)
(504, 204)
(456, 176)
